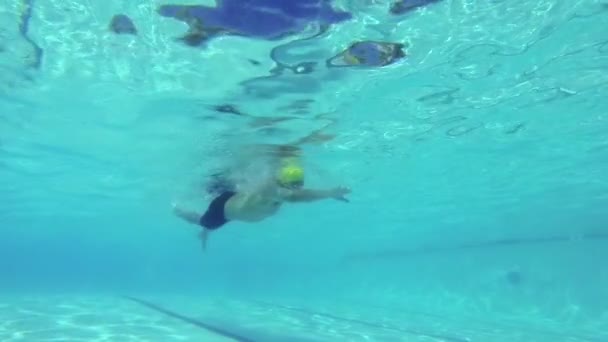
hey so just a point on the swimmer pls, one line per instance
(254, 206)
(368, 54)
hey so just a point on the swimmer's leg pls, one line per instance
(194, 218)
(204, 235)
(188, 216)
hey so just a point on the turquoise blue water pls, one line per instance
(477, 165)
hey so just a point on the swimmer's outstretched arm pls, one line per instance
(309, 195)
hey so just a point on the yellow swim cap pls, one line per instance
(351, 59)
(291, 174)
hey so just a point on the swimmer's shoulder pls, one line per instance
(286, 194)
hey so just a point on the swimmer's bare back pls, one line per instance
(251, 207)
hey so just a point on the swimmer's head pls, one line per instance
(290, 175)
(350, 58)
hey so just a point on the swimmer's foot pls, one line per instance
(204, 235)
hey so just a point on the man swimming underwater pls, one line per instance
(258, 204)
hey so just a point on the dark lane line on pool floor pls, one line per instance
(400, 253)
(485, 325)
(234, 332)
(195, 322)
(309, 313)
(489, 327)
(414, 332)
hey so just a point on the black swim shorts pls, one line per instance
(214, 216)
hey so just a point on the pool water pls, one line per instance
(474, 137)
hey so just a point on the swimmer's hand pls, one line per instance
(340, 193)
